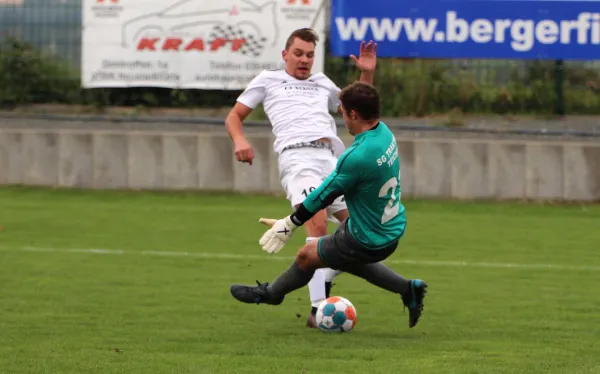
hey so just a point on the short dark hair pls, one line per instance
(363, 98)
(305, 34)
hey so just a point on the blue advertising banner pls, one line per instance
(469, 28)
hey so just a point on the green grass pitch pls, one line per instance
(126, 282)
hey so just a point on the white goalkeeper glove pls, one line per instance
(280, 232)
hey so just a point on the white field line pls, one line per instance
(258, 257)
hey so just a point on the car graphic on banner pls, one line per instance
(180, 25)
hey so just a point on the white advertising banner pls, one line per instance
(200, 44)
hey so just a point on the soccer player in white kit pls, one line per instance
(298, 105)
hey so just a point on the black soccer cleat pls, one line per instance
(255, 295)
(414, 301)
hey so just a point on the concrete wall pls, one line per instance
(446, 168)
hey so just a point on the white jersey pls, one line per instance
(297, 109)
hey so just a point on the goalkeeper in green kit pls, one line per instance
(368, 175)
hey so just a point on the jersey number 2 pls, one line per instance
(393, 207)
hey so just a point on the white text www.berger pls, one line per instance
(522, 34)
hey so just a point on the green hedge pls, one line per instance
(29, 76)
(408, 88)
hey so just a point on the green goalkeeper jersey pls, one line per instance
(368, 175)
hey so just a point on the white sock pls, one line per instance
(330, 274)
(316, 286)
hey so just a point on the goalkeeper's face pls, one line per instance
(299, 58)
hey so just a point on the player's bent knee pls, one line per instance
(308, 258)
(302, 261)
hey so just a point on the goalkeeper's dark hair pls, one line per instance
(305, 34)
(362, 98)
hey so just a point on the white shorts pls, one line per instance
(302, 170)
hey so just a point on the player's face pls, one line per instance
(299, 58)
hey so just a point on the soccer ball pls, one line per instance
(336, 314)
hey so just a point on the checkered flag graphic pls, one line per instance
(253, 46)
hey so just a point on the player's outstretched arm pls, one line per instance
(344, 177)
(233, 123)
(366, 61)
(281, 230)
